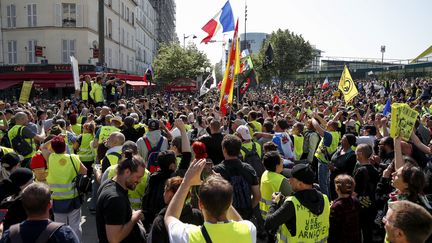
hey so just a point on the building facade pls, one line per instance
(165, 20)
(70, 28)
(254, 41)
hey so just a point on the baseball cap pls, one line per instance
(153, 125)
(303, 173)
(10, 160)
(243, 130)
(117, 119)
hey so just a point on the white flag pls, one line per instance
(204, 90)
(75, 72)
(214, 84)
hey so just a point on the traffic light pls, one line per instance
(39, 51)
(95, 53)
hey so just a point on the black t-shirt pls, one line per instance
(234, 167)
(112, 208)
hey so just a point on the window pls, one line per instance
(109, 28)
(11, 16)
(68, 49)
(123, 37)
(127, 64)
(12, 52)
(110, 57)
(31, 15)
(122, 10)
(69, 15)
(121, 61)
(127, 14)
(127, 39)
(133, 19)
(31, 53)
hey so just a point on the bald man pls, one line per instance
(114, 144)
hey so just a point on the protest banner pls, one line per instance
(75, 72)
(403, 120)
(25, 92)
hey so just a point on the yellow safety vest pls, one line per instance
(105, 132)
(270, 183)
(238, 232)
(12, 134)
(80, 119)
(298, 146)
(85, 151)
(61, 174)
(84, 91)
(112, 158)
(333, 146)
(135, 196)
(97, 92)
(76, 129)
(6, 150)
(310, 228)
(257, 127)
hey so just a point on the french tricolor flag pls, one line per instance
(224, 18)
(326, 84)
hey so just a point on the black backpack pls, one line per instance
(242, 192)
(251, 157)
(20, 145)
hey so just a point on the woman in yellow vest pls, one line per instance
(272, 181)
(62, 170)
(85, 152)
(76, 127)
(297, 131)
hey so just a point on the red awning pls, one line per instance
(4, 84)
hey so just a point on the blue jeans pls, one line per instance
(324, 178)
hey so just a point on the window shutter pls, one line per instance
(57, 15)
(79, 15)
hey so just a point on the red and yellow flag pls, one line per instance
(231, 70)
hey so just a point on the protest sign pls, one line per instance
(25, 92)
(403, 120)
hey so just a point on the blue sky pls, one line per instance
(340, 28)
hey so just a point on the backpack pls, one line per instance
(51, 228)
(20, 145)
(152, 164)
(251, 157)
(242, 200)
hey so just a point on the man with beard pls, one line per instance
(385, 152)
(115, 219)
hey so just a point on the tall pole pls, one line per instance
(245, 33)
(101, 28)
(184, 41)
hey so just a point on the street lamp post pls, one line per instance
(383, 49)
(185, 37)
(203, 72)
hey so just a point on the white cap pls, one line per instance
(243, 130)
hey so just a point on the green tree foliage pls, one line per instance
(290, 54)
(173, 62)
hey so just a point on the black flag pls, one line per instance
(268, 59)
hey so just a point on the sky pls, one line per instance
(340, 28)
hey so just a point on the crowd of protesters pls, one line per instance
(287, 163)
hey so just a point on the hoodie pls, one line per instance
(285, 214)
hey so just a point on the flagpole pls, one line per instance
(245, 33)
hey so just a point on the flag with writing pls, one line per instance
(232, 69)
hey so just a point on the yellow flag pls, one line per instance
(347, 86)
(25, 92)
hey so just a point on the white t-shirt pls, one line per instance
(178, 231)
